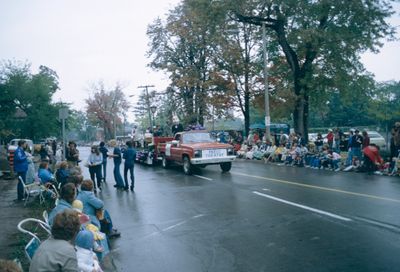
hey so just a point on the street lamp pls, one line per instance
(153, 111)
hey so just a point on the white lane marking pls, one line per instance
(318, 187)
(176, 225)
(304, 207)
(173, 226)
(203, 177)
(265, 189)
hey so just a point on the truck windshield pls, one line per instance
(197, 138)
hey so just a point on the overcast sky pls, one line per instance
(91, 40)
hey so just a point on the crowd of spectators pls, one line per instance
(79, 217)
(323, 152)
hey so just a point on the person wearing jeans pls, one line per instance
(104, 152)
(119, 182)
(129, 156)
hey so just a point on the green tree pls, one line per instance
(26, 101)
(181, 46)
(385, 105)
(321, 42)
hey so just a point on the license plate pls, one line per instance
(214, 153)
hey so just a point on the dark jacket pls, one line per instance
(357, 141)
(104, 151)
(117, 153)
(62, 175)
(129, 156)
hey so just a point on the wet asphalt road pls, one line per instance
(256, 218)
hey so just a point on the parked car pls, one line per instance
(12, 146)
(376, 138)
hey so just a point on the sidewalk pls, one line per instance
(11, 212)
(12, 242)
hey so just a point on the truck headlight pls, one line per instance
(197, 153)
(230, 151)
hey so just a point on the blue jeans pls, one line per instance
(20, 187)
(104, 166)
(129, 168)
(349, 160)
(117, 175)
(335, 164)
(357, 152)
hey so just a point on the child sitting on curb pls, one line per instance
(87, 260)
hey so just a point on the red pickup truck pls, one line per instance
(196, 148)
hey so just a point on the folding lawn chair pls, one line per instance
(35, 241)
(31, 190)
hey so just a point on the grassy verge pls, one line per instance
(20, 240)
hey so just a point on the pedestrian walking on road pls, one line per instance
(21, 166)
(94, 163)
(117, 157)
(129, 157)
(104, 152)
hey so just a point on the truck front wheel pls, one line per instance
(187, 166)
(226, 166)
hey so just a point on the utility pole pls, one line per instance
(146, 89)
(266, 94)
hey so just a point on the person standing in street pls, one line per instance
(129, 157)
(21, 167)
(117, 156)
(104, 152)
(94, 163)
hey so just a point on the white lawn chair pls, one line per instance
(31, 189)
(46, 217)
(35, 241)
(49, 189)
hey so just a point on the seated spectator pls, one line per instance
(334, 159)
(77, 181)
(269, 152)
(77, 205)
(94, 207)
(87, 260)
(249, 154)
(45, 175)
(67, 196)
(310, 155)
(62, 173)
(58, 253)
(277, 155)
(243, 150)
(372, 159)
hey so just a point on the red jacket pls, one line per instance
(330, 137)
(372, 153)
